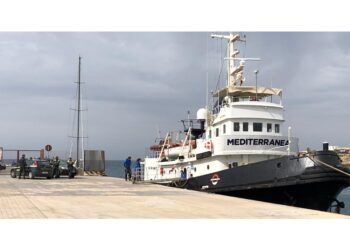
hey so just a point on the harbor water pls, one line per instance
(114, 168)
(344, 196)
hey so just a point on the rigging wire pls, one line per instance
(219, 78)
(84, 107)
(73, 124)
(82, 125)
(245, 45)
(86, 118)
(221, 53)
(207, 73)
(69, 132)
(217, 56)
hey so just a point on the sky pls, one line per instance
(136, 83)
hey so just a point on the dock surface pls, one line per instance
(92, 197)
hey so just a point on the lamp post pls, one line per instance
(256, 84)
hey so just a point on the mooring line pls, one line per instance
(327, 165)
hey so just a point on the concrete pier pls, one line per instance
(91, 197)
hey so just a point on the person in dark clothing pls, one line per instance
(137, 170)
(184, 174)
(55, 164)
(22, 167)
(127, 166)
(70, 166)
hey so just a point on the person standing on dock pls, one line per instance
(127, 166)
(70, 166)
(55, 165)
(137, 170)
(22, 167)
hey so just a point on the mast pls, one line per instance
(235, 71)
(79, 126)
(78, 109)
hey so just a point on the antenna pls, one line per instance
(188, 118)
(244, 59)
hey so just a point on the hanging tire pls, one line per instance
(13, 173)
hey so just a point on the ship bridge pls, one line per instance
(249, 120)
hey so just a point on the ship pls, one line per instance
(238, 147)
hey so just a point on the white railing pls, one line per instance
(138, 175)
(270, 99)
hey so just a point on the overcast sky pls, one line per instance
(136, 82)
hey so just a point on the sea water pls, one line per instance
(344, 196)
(115, 168)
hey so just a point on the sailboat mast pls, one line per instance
(78, 109)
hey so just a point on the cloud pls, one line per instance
(136, 81)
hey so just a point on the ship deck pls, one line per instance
(90, 197)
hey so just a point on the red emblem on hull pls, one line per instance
(215, 179)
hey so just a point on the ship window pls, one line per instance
(277, 128)
(209, 134)
(245, 126)
(257, 127)
(217, 132)
(236, 126)
(224, 129)
(269, 127)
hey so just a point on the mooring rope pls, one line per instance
(329, 166)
